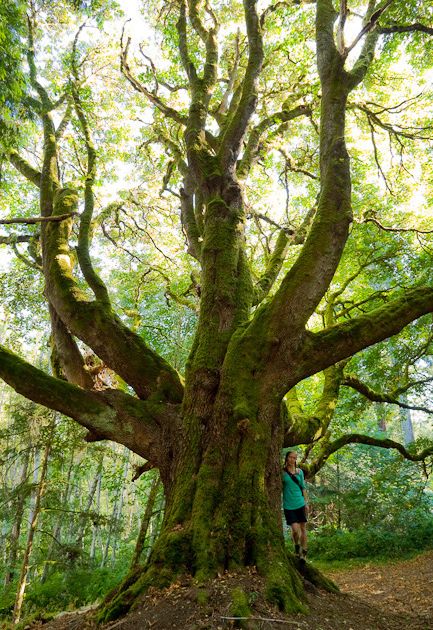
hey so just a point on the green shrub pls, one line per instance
(382, 541)
(79, 587)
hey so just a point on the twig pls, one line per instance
(295, 623)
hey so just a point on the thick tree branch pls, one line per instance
(183, 46)
(346, 339)
(95, 322)
(326, 49)
(302, 428)
(17, 238)
(65, 120)
(235, 132)
(84, 235)
(306, 282)
(66, 350)
(23, 167)
(232, 78)
(110, 414)
(210, 41)
(188, 218)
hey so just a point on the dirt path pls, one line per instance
(404, 587)
(395, 596)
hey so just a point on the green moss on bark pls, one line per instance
(239, 608)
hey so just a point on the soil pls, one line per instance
(395, 596)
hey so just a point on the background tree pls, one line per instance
(233, 105)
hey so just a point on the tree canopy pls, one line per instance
(264, 170)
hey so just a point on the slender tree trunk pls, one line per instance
(109, 532)
(32, 530)
(58, 525)
(406, 423)
(381, 417)
(89, 501)
(3, 533)
(72, 522)
(96, 524)
(16, 528)
(34, 493)
(126, 452)
(115, 509)
(139, 546)
(155, 526)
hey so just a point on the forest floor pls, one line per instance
(392, 596)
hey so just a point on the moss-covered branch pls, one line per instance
(326, 15)
(210, 41)
(68, 354)
(34, 220)
(234, 134)
(23, 167)
(179, 299)
(169, 112)
(33, 264)
(417, 27)
(302, 428)
(231, 82)
(109, 414)
(188, 218)
(95, 322)
(183, 45)
(67, 116)
(350, 380)
(307, 281)
(363, 63)
(256, 145)
(286, 239)
(328, 448)
(46, 102)
(84, 236)
(346, 339)
(17, 238)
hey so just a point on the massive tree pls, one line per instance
(216, 433)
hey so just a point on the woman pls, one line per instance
(295, 503)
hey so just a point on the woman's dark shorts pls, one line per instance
(295, 516)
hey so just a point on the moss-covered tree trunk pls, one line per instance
(223, 509)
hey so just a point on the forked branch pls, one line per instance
(328, 448)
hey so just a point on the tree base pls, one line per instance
(283, 588)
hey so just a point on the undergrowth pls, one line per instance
(63, 591)
(371, 543)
